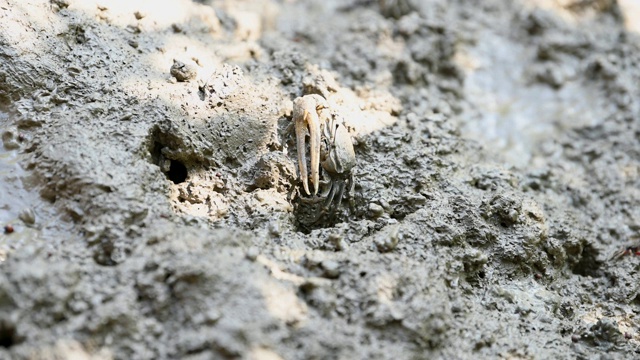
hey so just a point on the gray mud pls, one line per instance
(152, 184)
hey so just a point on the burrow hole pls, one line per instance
(177, 172)
(8, 335)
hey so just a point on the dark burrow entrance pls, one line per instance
(8, 335)
(177, 172)
(174, 170)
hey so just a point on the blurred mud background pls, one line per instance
(153, 191)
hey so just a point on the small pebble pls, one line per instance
(139, 15)
(62, 4)
(9, 140)
(575, 338)
(338, 242)
(27, 216)
(628, 335)
(376, 210)
(331, 269)
(8, 229)
(274, 229)
(182, 71)
(177, 28)
(260, 196)
(252, 253)
(212, 316)
(389, 240)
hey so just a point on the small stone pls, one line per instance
(133, 44)
(575, 338)
(628, 335)
(274, 229)
(410, 24)
(177, 28)
(139, 15)
(252, 253)
(8, 229)
(9, 140)
(182, 72)
(376, 210)
(338, 241)
(27, 216)
(134, 29)
(62, 4)
(260, 196)
(388, 240)
(212, 316)
(275, 170)
(331, 269)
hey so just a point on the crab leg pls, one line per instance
(308, 119)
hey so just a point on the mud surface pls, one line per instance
(149, 175)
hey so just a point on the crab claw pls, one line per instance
(305, 116)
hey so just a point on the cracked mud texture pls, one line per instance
(151, 180)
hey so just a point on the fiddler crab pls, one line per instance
(330, 146)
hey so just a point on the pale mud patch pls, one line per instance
(515, 109)
(24, 217)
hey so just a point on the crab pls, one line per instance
(330, 146)
(337, 157)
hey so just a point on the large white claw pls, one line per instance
(306, 117)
